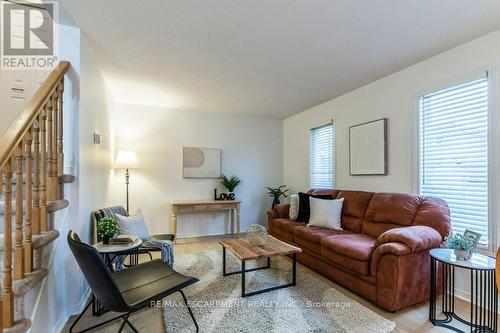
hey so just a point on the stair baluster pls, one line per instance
(35, 130)
(60, 152)
(28, 245)
(55, 183)
(50, 135)
(8, 296)
(43, 170)
(19, 249)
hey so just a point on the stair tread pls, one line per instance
(20, 326)
(38, 241)
(21, 287)
(44, 238)
(52, 206)
(66, 179)
(55, 205)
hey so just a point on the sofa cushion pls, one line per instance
(390, 210)
(355, 246)
(323, 191)
(354, 209)
(358, 266)
(355, 202)
(310, 237)
(283, 228)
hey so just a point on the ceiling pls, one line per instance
(267, 58)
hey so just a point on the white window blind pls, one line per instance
(322, 156)
(454, 153)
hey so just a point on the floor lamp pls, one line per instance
(126, 160)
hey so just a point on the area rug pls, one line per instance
(311, 306)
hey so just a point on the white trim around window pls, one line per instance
(493, 161)
(322, 137)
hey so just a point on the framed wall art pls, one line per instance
(368, 148)
(201, 162)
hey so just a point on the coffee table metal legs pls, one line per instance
(225, 273)
(244, 270)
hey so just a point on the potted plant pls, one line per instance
(107, 227)
(277, 193)
(230, 184)
(461, 245)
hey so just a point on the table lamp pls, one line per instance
(126, 160)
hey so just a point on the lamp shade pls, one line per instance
(126, 160)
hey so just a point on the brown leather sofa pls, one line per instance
(382, 253)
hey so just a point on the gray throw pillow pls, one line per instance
(133, 225)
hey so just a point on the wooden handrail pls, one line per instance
(16, 132)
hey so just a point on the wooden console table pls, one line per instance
(203, 206)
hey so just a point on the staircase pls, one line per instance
(31, 191)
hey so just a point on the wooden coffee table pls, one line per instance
(242, 249)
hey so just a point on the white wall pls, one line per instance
(393, 97)
(251, 149)
(87, 104)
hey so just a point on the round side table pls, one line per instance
(110, 251)
(483, 291)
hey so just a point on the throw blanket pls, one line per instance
(167, 252)
(167, 249)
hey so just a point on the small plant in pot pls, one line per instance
(461, 245)
(107, 227)
(277, 193)
(230, 184)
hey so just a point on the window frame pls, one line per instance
(334, 148)
(493, 149)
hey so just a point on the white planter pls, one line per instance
(462, 254)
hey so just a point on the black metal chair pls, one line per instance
(128, 290)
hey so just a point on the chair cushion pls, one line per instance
(149, 281)
(355, 246)
(310, 237)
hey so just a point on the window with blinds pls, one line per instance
(322, 156)
(454, 153)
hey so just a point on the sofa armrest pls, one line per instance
(280, 211)
(416, 238)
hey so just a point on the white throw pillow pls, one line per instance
(326, 213)
(294, 206)
(133, 225)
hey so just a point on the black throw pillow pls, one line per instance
(304, 208)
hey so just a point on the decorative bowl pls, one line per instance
(256, 235)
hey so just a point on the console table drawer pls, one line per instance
(216, 206)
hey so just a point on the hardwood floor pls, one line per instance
(413, 319)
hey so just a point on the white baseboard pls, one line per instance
(70, 311)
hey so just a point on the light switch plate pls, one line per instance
(97, 138)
